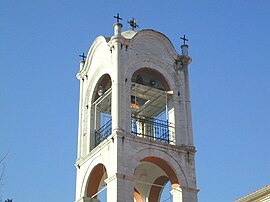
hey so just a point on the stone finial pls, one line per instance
(82, 64)
(184, 48)
(117, 28)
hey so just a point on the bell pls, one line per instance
(100, 90)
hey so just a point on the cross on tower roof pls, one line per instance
(133, 23)
(117, 17)
(83, 56)
(184, 39)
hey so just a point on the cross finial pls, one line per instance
(117, 17)
(83, 57)
(133, 24)
(184, 39)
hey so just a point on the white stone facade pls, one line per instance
(135, 167)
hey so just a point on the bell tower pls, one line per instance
(135, 129)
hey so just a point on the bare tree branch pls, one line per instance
(2, 164)
(2, 172)
(3, 158)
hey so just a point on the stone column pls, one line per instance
(185, 62)
(180, 107)
(177, 194)
(117, 81)
(80, 127)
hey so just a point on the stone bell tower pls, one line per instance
(135, 130)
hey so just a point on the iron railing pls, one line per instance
(147, 127)
(103, 132)
(152, 128)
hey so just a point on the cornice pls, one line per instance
(255, 195)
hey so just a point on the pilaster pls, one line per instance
(80, 124)
(189, 194)
(117, 81)
(185, 62)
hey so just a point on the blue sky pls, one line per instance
(40, 41)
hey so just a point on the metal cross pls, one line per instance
(83, 57)
(133, 24)
(117, 17)
(184, 39)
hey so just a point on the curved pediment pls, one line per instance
(98, 50)
(151, 42)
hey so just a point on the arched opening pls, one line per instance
(154, 180)
(158, 190)
(152, 110)
(101, 109)
(96, 188)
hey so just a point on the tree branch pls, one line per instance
(3, 165)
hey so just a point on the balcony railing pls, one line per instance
(152, 128)
(103, 132)
(141, 126)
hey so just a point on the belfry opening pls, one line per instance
(151, 106)
(151, 177)
(101, 109)
(152, 111)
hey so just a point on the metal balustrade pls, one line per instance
(141, 126)
(152, 128)
(103, 132)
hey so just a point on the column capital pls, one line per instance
(176, 190)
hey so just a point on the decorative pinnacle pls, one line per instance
(184, 39)
(117, 17)
(83, 57)
(133, 24)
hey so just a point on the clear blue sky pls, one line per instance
(40, 41)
